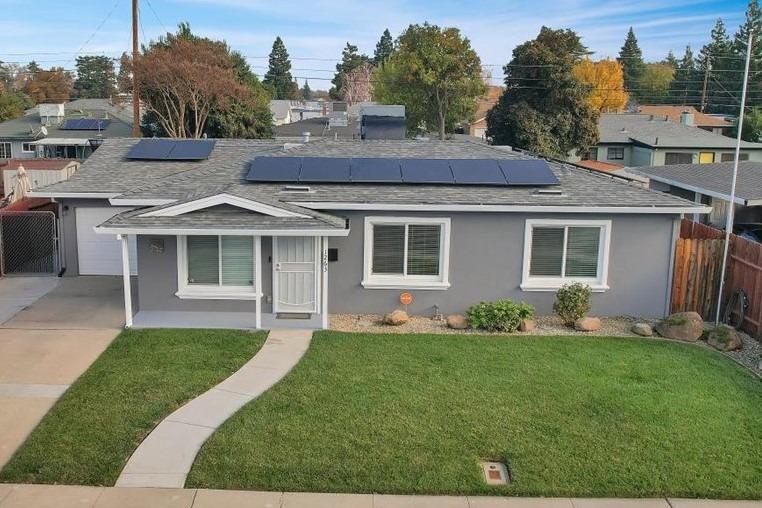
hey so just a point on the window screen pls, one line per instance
(423, 249)
(547, 252)
(203, 260)
(388, 248)
(237, 261)
(582, 251)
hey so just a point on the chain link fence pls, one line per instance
(28, 243)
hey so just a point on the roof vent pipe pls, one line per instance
(306, 136)
(686, 118)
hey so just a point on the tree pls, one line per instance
(685, 88)
(552, 117)
(384, 48)
(350, 59)
(670, 60)
(54, 85)
(278, 77)
(96, 78)
(752, 126)
(13, 104)
(631, 58)
(436, 74)
(306, 91)
(752, 22)
(715, 65)
(654, 83)
(606, 80)
(124, 76)
(355, 85)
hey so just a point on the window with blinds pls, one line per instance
(565, 252)
(388, 249)
(220, 260)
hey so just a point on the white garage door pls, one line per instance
(101, 254)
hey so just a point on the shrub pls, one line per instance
(572, 302)
(499, 316)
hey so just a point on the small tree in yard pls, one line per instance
(355, 85)
(572, 302)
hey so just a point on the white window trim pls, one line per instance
(219, 292)
(423, 282)
(27, 151)
(222, 199)
(599, 284)
(10, 149)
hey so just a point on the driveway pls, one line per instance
(59, 328)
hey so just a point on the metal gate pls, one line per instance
(28, 243)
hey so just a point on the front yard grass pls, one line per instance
(142, 376)
(573, 416)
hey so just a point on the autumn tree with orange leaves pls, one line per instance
(606, 77)
(53, 85)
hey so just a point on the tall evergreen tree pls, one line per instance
(752, 22)
(384, 48)
(278, 77)
(631, 58)
(96, 78)
(306, 91)
(350, 60)
(685, 88)
(716, 62)
(670, 60)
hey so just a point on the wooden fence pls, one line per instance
(698, 259)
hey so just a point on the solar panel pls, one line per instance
(528, 172)
(372, 170)
(324, 169)
(191, 149)
(157, 149)
(85, 124)
(426, 171)
(274, 169)
(477, 172)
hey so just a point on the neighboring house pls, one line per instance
(383, 121)
(71, 130)
(478, 128)
(316, 128)
(262, 235)
(40, 172)
(644, 140)
(709, 184)
(282, 110)
(688, 115)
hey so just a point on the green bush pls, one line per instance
(572, 302)
(499, 316)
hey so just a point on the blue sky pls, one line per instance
(315, 31)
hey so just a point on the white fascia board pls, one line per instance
(140, 202)
(700, 190)
(72, 195)
(106, 230)
(223, 199)
(329, 205)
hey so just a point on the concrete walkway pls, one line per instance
(62, 496)
(17, 293)
(165, 457)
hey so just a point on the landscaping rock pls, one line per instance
(527, 325)
(685, 326)
(396, 318)
(724, 338)
(642, 329)
(587, 324)
(457, 322)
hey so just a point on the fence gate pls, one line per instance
(28, 243)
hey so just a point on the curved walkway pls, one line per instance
(165, 457)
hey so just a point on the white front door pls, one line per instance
(295, 262)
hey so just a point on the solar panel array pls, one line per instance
(85, 124)
(171, 149)
(501, 172)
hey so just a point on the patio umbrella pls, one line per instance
(22, 186)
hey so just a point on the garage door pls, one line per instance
(101, 254)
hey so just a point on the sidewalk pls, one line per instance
(62, 496)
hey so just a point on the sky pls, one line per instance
(315, 31)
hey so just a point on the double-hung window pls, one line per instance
(406, 252)
(216, 267)
(5, 151)
(557, 252)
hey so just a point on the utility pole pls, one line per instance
(732, 204)
(707, 70)
(135, 56)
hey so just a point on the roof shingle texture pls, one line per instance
(715, 177)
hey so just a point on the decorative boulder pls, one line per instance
(396, 318)
(457, 322)
(587, 324)
(642, 329)
(724, 338)
(527, 325)
(685, 326)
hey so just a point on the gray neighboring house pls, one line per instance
(632, 139)
(41, 132)
(209, 248)
(710, 184)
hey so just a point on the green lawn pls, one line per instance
(142, 377)
(573, 416)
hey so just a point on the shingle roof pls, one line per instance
(715, 178)
(659, 133)
(673, 113)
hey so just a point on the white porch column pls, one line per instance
(258, 281)
(126, 280)
(324, 282)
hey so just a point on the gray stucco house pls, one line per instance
(208, 247)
